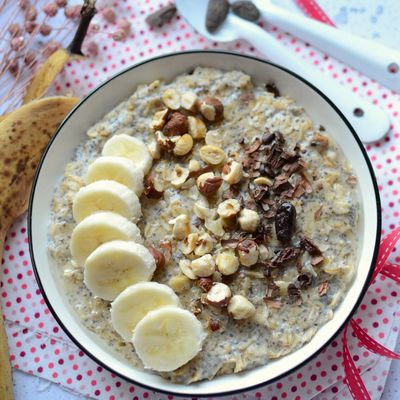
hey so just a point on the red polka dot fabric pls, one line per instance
(39, 346)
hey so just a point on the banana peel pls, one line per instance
(24, 134)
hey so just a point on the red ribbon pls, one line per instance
(313, 10)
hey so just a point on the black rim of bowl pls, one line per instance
(289, 371)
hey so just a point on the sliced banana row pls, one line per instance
(164, 335)
(118, 268)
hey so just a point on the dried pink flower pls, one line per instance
(109, 15)
(51, 47)
(61, 3)
(17, 43)
(94, 27)
(72, 12)
(50, 9)
(13, 67)
(14, 30)
(24, 4)
(125, 25)
(30, 58)
(119, 35)
(30, 26)
(45, 29)
(31, 14)
(92, 48)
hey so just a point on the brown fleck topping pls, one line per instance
(167, 246)
(150, 191)
(271, 88)
(320, 140)
(210, 186)
(285, 221)
(318, 213)
(273, 304)
(213, 325)
(304, 280)
(281, 184)
(177, 124)
(157, 255)
(316, 260)
(294, 293)
(196, 307)
(204, 284)
(323, 289)
(309, 246)
(272, 290)
(351, 180)
(255, 145)
(286, 254)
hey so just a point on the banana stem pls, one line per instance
(87, 13)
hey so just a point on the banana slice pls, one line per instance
(167, 338)
(106, 196)
(118, 169)
(115, 265)
(129, 147)
(136, 301)
(97, 229)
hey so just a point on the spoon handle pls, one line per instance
(372, 59)
(370, 122)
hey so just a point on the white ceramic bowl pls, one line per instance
(91, 109)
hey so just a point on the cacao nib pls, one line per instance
(323, 289)
(294, 293)
(285, 221)
(304, 280)
(271, 88)
(255, 145)
(286, 254)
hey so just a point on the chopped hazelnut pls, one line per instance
(204, 244)
(171, 99)
(248, 220)
(179, 176)
(184, 145)
(240, 307)
(248, 252)
(208, 184)
(232, 172)
(202, 211)
(264, 252)
(151, 190)
(212, 155)
(194, 166)
(219, 295)
(214, 137)
(159, 119)
(177, 124)
(164, 142)
(203, 266)
(227, 262)
(204, 284)
(228, 208)
(181, 226)
(196, 127)
(215, 226)
(189, 101)
(212, 109)
(154, 149)
(180, 283)
(189, 243)
(185, 267)
(158, 256)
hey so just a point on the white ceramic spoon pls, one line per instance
(372, 59)
(370, 122)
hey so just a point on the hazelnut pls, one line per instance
(248, 220)
(208, 184)
(240, 307)
(177, 124)
(196, 127)
(154, 149)
(215, 226)
(204, 284)
(202, 211)
(157, 255)
(189, 101)
(232, 172)
(163, 142)
(194, 166)
(159, 119)
(263, 181)
(179, 176)
(180, 283)
(181, 226)
(204, 244)
(214, 137)
(214, 325)
(203, 266)
(212, 155)
(248, 252)
(264, 252)
(189, 243)
(228, 208)
(171, 99)
(184, 145)
(219, 295)
(227, 262)
(212, 109)
(185, 267)
(151, 190)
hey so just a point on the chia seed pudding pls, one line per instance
(277, 196)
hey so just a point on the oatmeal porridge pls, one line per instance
(214, 202)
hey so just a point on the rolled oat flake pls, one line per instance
(246, 10)
(217, 11)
